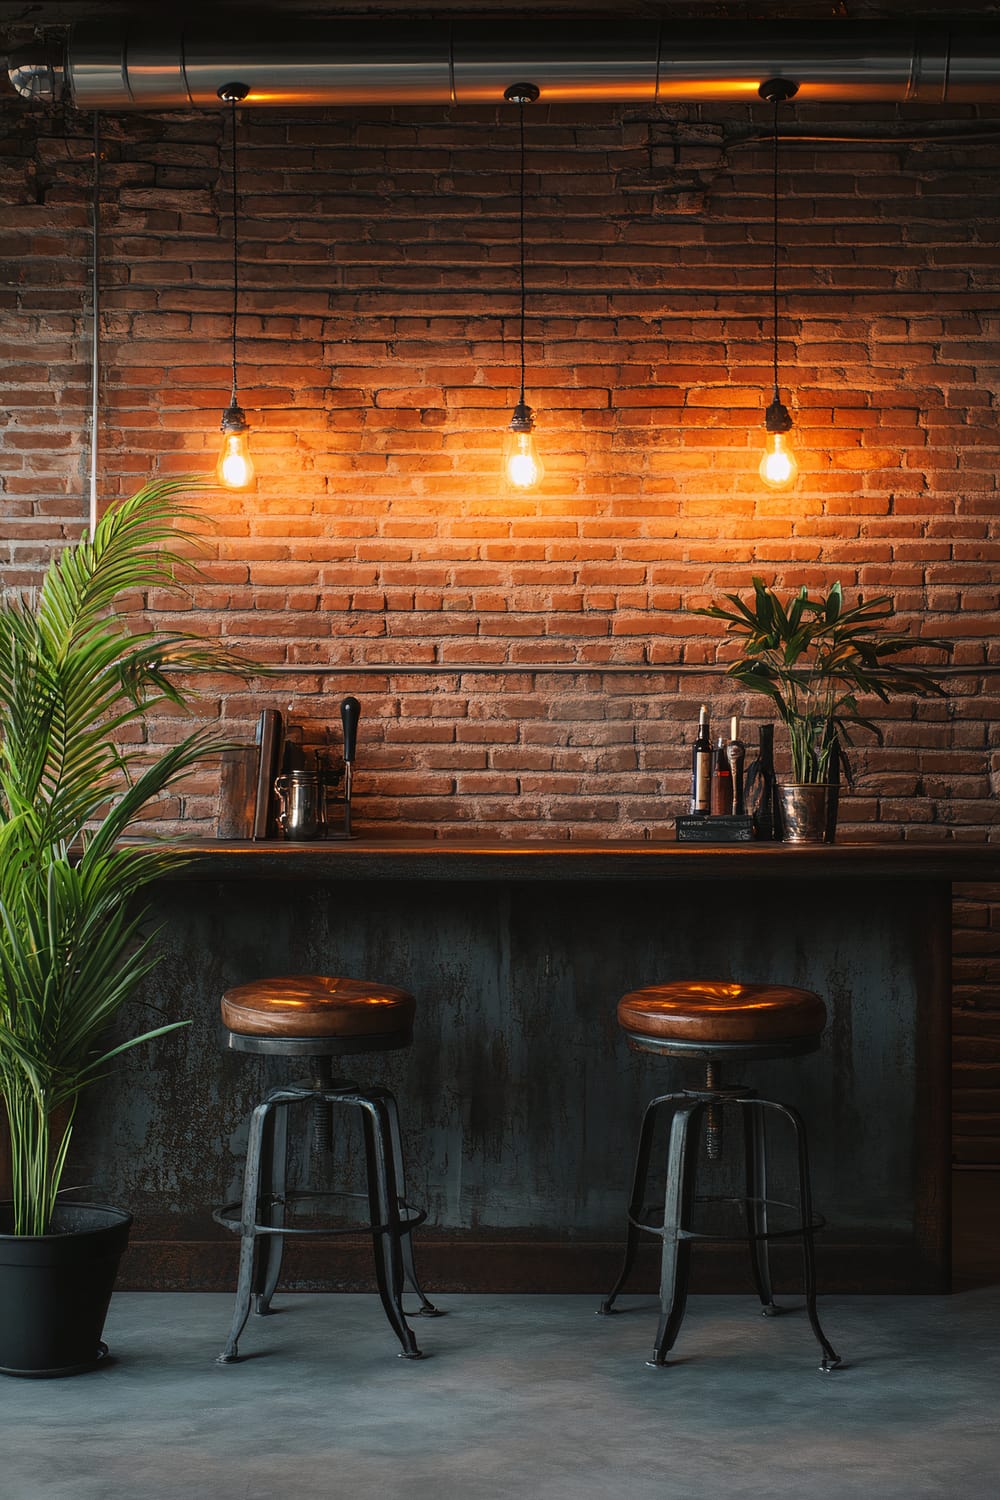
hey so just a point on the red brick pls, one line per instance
(378, 391)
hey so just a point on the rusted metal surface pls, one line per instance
(520, 1101)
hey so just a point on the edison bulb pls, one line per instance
(522, 465)
(778, 467)
(235, 468)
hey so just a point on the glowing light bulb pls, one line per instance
(778, 467)
(235, 468)
(522, 464)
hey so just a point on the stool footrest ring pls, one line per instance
(792, 1231)
(230, 1217)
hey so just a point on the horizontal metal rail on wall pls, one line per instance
(565, 669)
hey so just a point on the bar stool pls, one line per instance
(319, 1017)
(717, 1022)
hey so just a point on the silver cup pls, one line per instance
(301, 804)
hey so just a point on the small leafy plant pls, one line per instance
(72, 679)
(814, 658)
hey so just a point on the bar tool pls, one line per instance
(350, 713)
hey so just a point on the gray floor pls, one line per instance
(523, 1395)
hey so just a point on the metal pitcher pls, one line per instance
(301, 804)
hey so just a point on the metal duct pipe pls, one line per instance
(156, 65)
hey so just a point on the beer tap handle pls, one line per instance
(350, 713)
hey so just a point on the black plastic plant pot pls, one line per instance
(55, 1289)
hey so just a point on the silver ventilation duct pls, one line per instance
(154, 65)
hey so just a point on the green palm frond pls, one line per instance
(73, 944)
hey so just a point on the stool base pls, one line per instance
(261, 1217)
(688, 1111)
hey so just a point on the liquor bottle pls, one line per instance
(722, 782)
(761, 788)
(736, 755)
(701, 767)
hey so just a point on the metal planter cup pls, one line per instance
(808, 812)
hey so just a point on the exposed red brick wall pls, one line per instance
(378, 342)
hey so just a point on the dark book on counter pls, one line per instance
(268, 760)
(727, 828)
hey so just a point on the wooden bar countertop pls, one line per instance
(584, 860)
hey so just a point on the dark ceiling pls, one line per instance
(27, 13)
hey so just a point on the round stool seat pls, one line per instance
(707, 1013)
(317, 1005)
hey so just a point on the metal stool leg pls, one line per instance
(398, 1225)
(273, 1172)
(248, 1238)
(682, 1160)
(640, 1177)
(755, 1147)
(386, 1227)
(831, 1359)
(426, 1308)
(261, 1217)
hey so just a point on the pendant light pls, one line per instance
(235, 468)
(778, 467)
(522, 466)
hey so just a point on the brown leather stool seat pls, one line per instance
(318, 1017)
(706, 1013)
(715, 1021)
(318, 1005)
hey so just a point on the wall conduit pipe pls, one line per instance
(153, 64)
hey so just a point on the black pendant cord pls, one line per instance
(520, 108)
(776, 91)
(521, 94)
(236, 245)
(774, 250)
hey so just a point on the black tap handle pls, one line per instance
(350, 713)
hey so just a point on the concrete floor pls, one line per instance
(522, 1396)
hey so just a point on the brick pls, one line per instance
(378, 366)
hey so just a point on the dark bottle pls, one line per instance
(736, 755)
(701, 767)
(722, 782)
(762, 794)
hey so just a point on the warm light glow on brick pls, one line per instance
(378, 357)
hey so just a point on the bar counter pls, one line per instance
(597, 859)
(520, 1101)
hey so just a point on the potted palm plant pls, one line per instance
(73, 680)
(814, 658)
